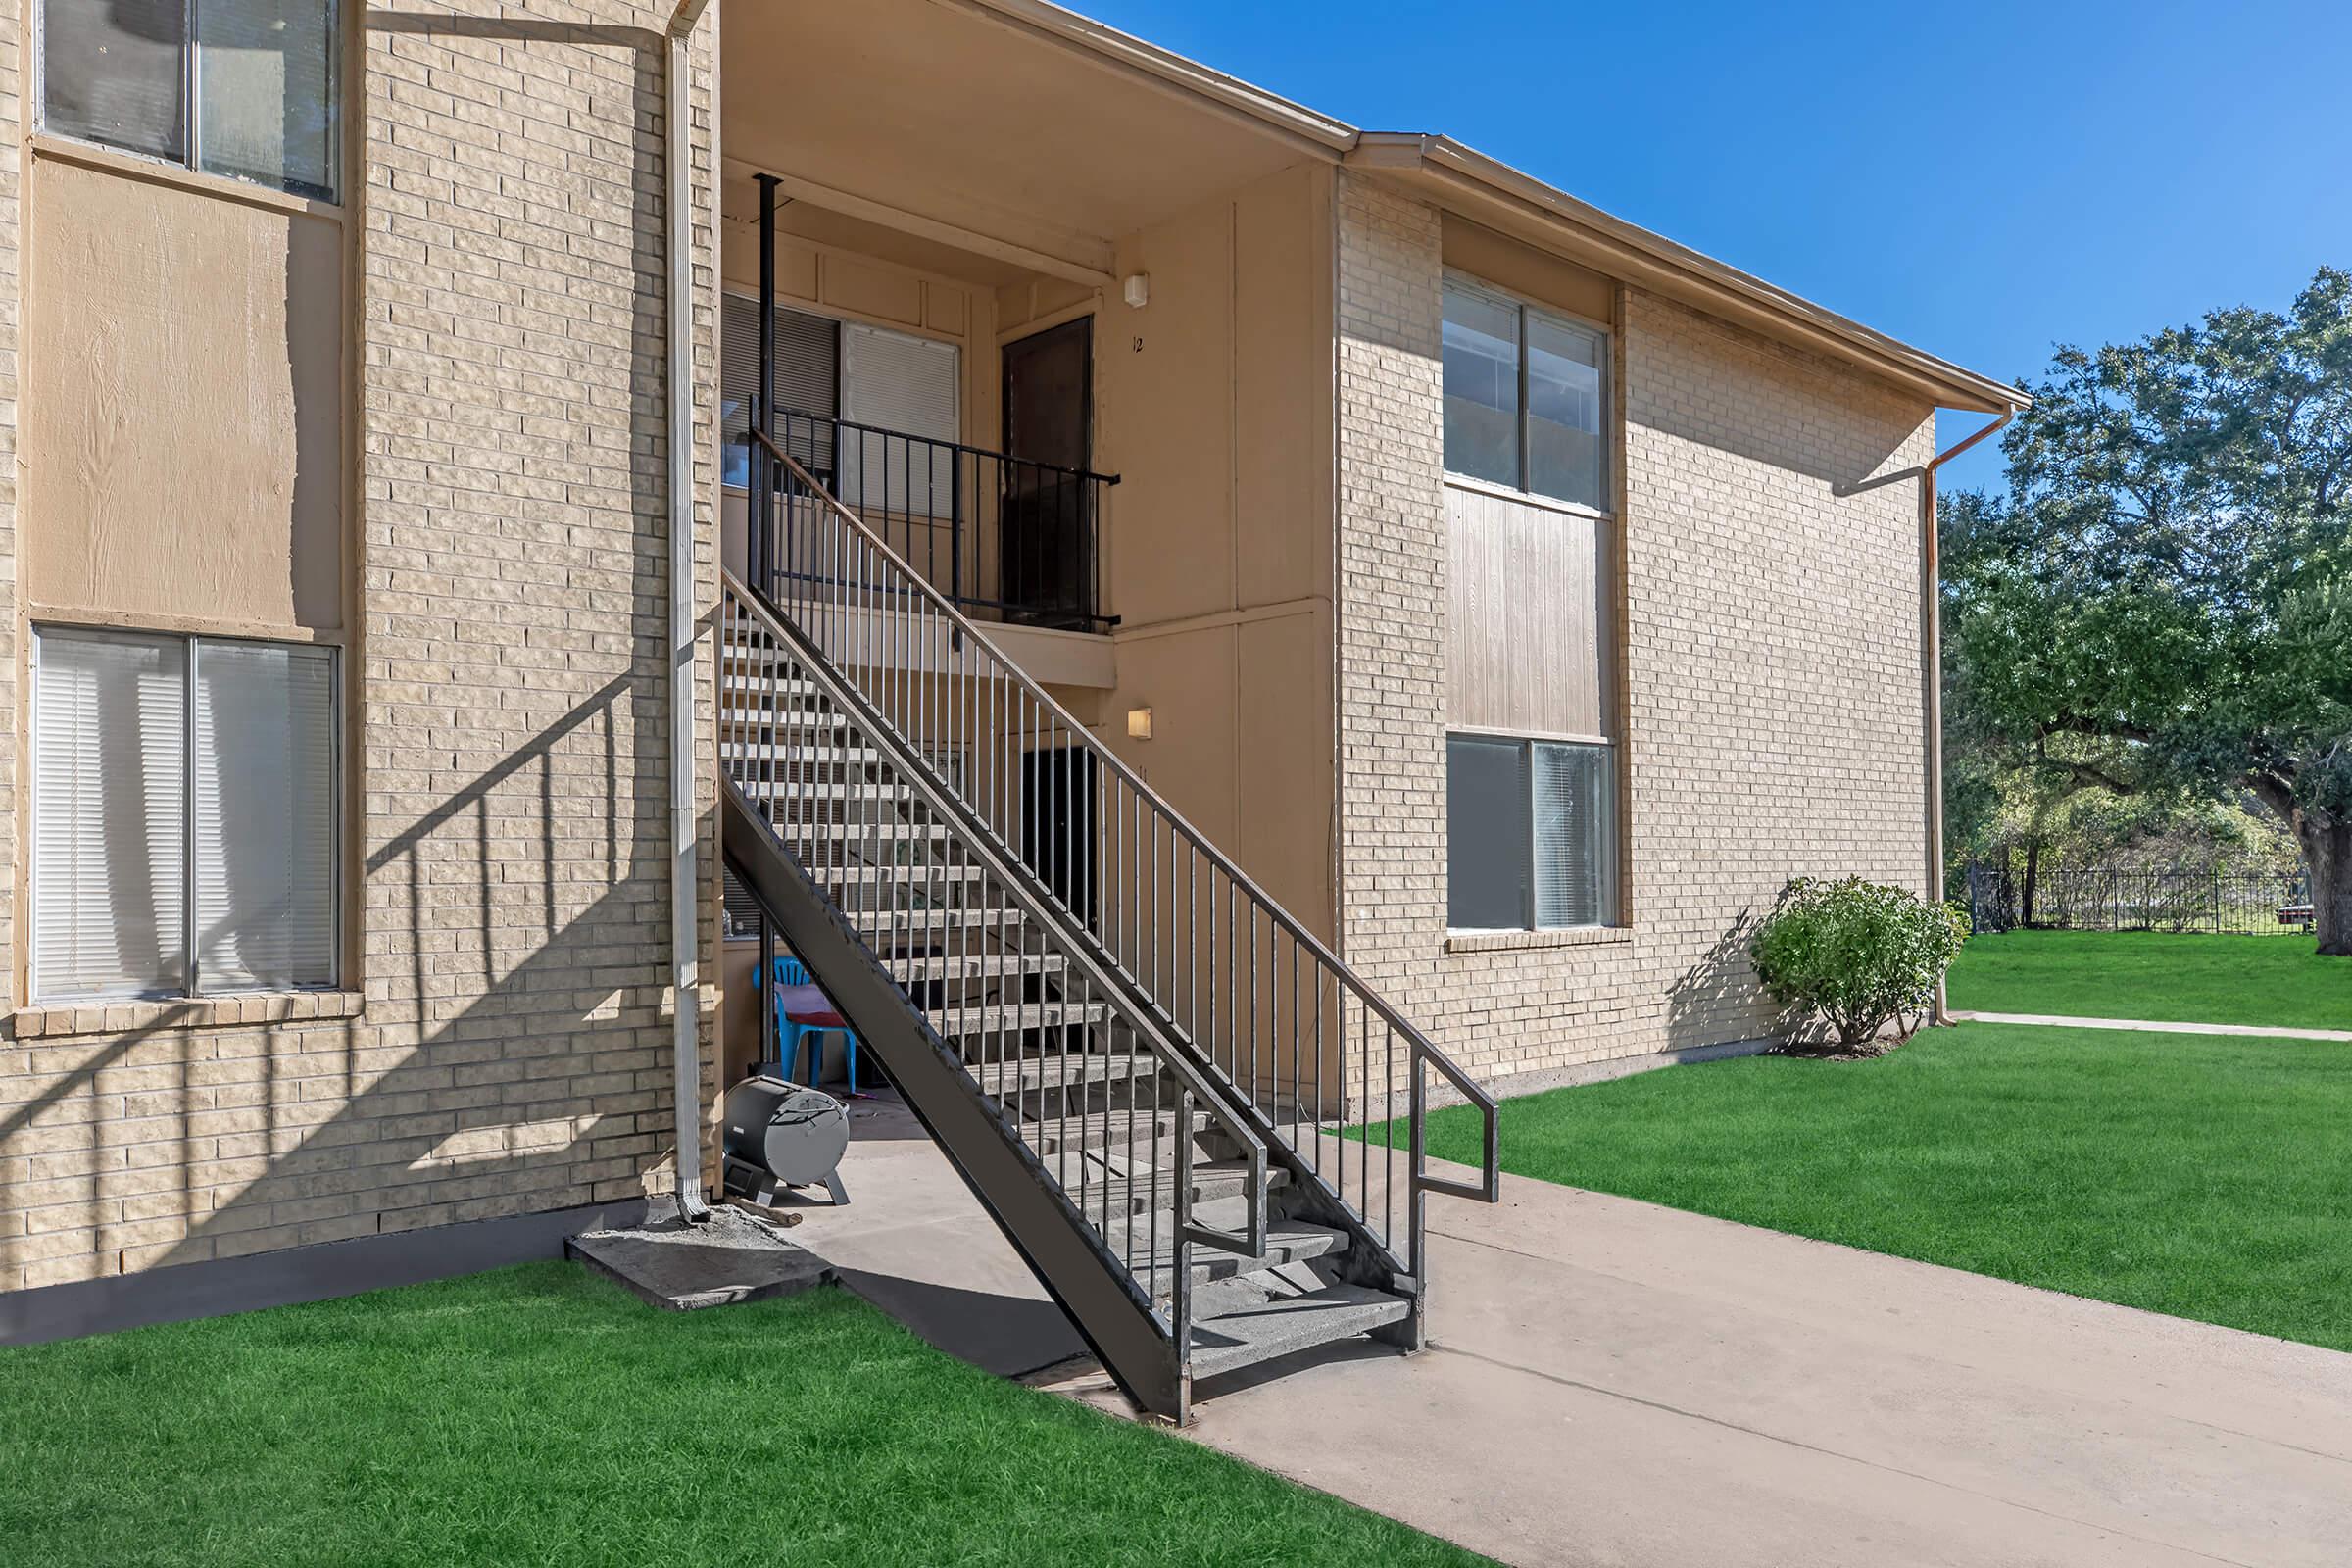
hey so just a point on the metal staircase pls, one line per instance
(1139, 1064)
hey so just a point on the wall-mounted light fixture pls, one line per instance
(1139, 724)
(1136, 289)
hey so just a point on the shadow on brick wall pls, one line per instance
(1717, 998)
(514, 1050)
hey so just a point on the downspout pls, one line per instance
(1930, 637)
(685, 897)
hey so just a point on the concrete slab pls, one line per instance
(683, 1268)
(1615, 1383)
(1611, 1382)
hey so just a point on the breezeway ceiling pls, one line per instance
(932, 109)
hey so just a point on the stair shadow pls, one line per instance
(1009, 1335)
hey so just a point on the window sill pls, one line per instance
(58, 1020)
(164, 171)
(1583, 936)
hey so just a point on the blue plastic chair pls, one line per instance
(791, 1036)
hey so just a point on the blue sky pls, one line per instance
(1979, 180)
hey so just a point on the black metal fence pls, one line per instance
(2003, 895)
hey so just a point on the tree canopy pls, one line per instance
(2162, 601)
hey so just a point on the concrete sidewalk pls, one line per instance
(1614, 1383)
(2062, 1021)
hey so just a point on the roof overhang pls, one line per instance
(1459, 180)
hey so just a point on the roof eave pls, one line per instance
(1518, 203)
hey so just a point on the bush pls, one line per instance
(1859, 952)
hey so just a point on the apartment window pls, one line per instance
(1530, 834)
(807, 381)
(1526, 396)
(865, 375)
(249, 88)
(185, 815)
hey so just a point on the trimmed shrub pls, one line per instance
(1856, 953)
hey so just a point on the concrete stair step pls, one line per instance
(1288, 1242)
(928, 876)
(1012, 1017)
(887, 925)
(975, 965)
(833, 832)
(759, 752)
(1088, 1135)
(1060, 1071)
(1282, 1324)
(861, 791)
(1134, 1172)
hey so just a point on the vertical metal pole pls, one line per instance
(763, 406)
(772, 1045)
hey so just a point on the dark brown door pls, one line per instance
(1048, 540)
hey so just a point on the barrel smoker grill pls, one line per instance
(779, 1135)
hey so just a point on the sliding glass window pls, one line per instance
(263, 77)
(1526, 395)
(1530, 834)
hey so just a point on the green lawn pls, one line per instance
(2146, 974)
(540, 1415)
(2205, 1177)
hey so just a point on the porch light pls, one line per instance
(1139, 724)
(1136, 289)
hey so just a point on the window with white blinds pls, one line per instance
(265, 817)
(1530, 834)
(185, 815)
(1575, 855)
(743, 911)
(807, 381)
(110, 815)
(896, 383)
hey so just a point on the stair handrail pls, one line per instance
(1422, 1051)
(1146, 1029)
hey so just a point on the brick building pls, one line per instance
(1517, 597)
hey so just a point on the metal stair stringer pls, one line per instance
(1138, 1346)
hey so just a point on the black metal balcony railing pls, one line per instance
(1002, 537)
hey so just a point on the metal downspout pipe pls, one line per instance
(685, 900)
(1930, 622)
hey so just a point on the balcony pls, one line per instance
(1007, 539)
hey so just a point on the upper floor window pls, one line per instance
(183, 815)
(1526, 396)
(249, 88)
(868, 379)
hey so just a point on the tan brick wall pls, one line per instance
(512, 1050)
(1772, 704)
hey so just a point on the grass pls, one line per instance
(540, 1415)
(2207, 1178)
(2145, 974)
